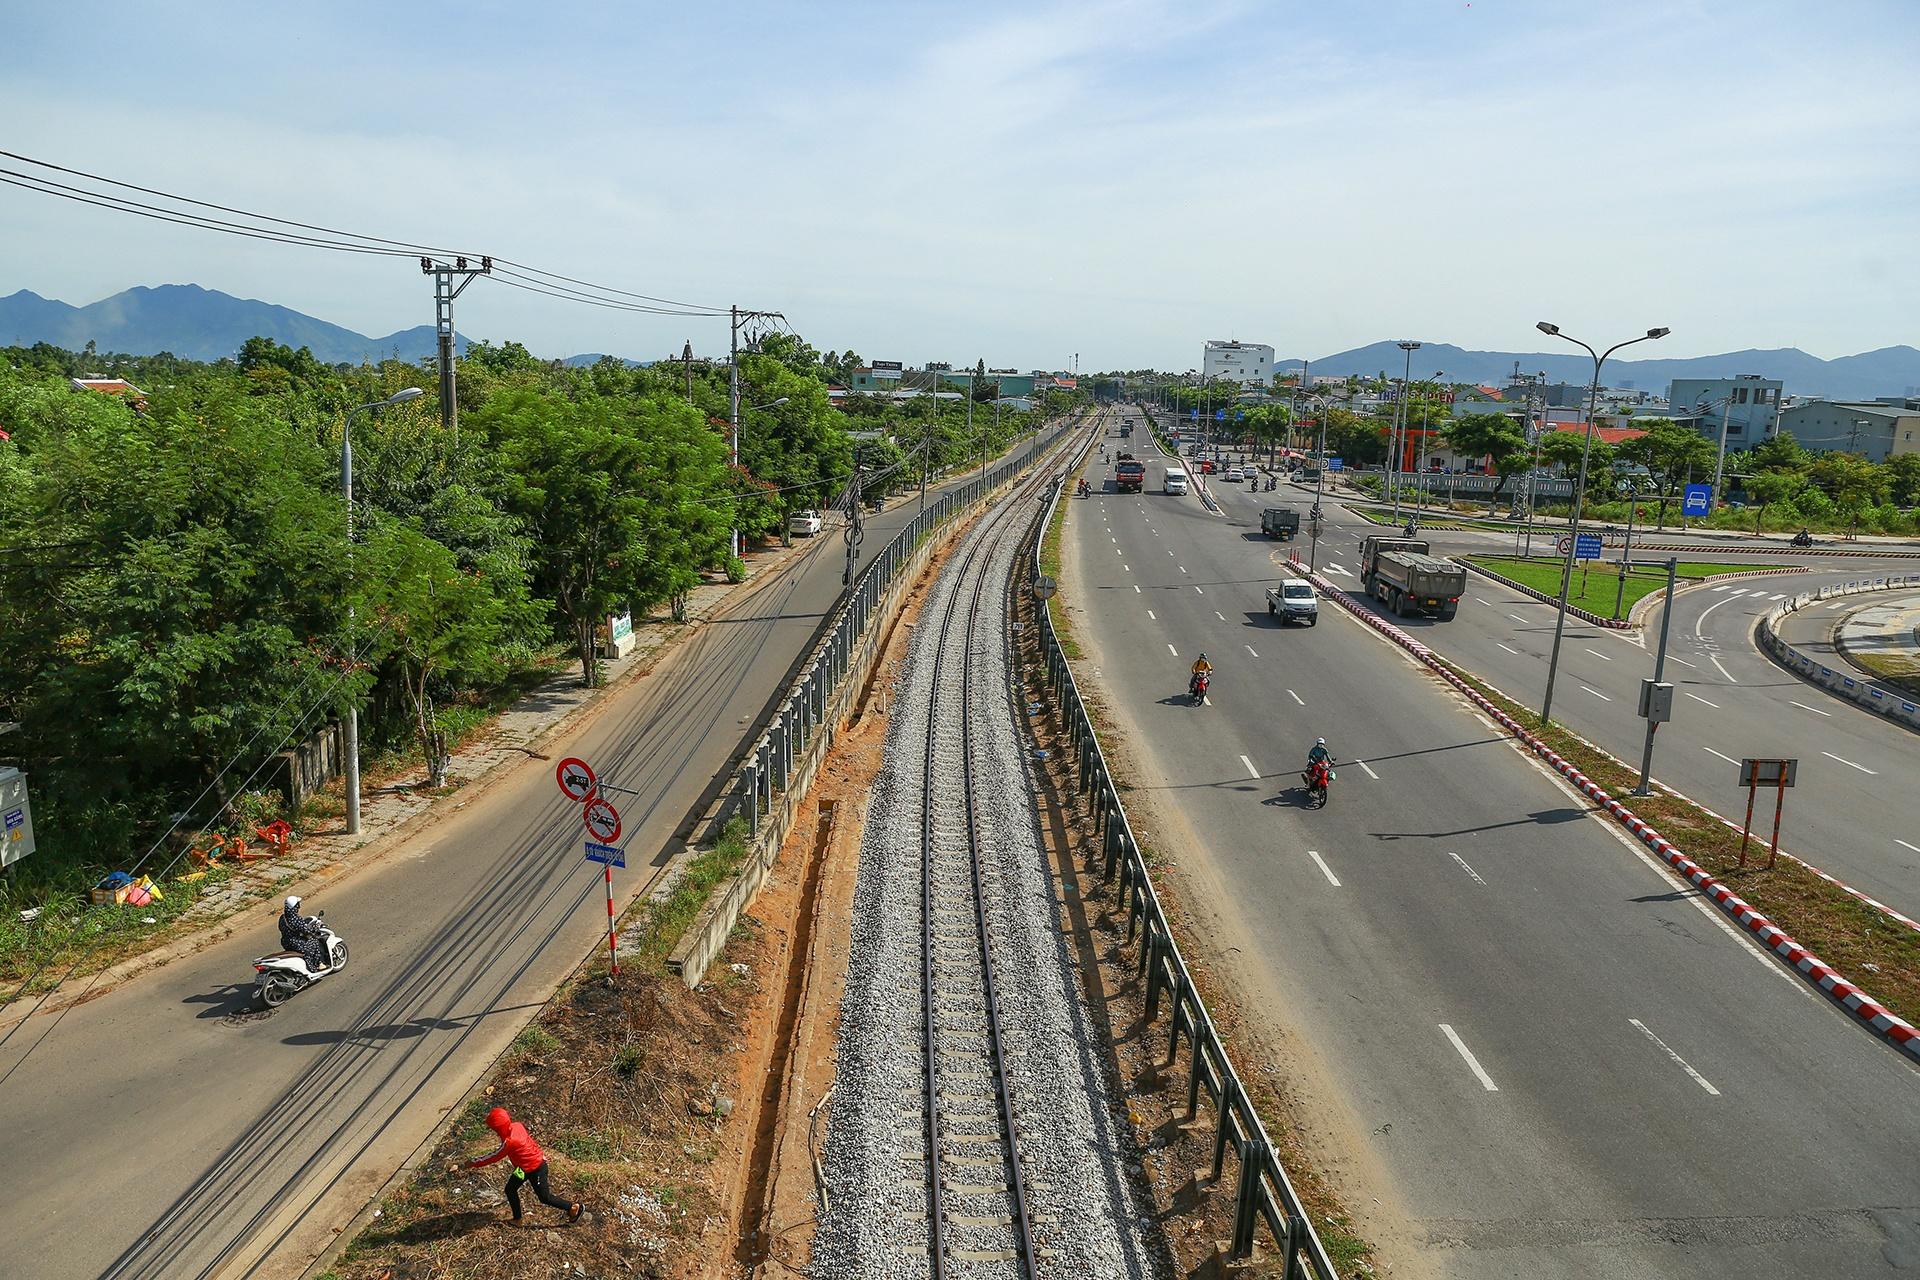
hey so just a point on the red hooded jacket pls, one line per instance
(515, 1143)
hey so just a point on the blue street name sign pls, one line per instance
(1586, 547)
(1336, 464)
(1697, 500)
(606, 853)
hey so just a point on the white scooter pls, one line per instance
(284, 972)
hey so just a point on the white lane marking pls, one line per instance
(1903, 844)
(1731, 678)
(1202, 591)
(1817, 711)
(1136, 588)
(1778, 595)
(1169, 553)
(1250, 650)
(1483, 720)
(1596, 653)
(1516, 617)
(1220, 615)
(1682, 661)
(1480, 1072)
(1183, 568)
(1843, 760)
(1342, 570)
(1151, 614)
(1325, 870)
(1710, 751)
(1376, 777)
(1469, 870)
(1250, 769)
(1697, 698)
(1596, 693)
(1113, 540)
(1720, 588)
(1117, 551)
(1696, 1076)
(1478, 600)
(1205, 701)
(1735, 591)
(1296, 697)
(1699, 623)
(1514, 652)
(1175, 652)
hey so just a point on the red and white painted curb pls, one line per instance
(1876, 1016)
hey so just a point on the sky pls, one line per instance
(1020, 182)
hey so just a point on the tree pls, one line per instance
(1672, 454)
(1765, 488)
(1853, 483)
(1356, 441)
(1903, 475)
(1493, 436)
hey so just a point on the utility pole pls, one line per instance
(737, 316)
(1399, 434)
(1659, 672)
(686, 363)
(444, 292)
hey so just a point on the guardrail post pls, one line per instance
(753, 798)
(1229, 1099)
(1252, 1156)
(1199, 1064)
(1150, 965)
(1178, 994)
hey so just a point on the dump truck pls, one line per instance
(1129, 474)
(1280, 522)
(1402, 574)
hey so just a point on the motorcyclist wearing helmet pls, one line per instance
(302, 934)
(1201, 667)
(1319, 754)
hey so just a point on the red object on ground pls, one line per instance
(516, 1144)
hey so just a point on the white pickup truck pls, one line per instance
(1294, 601)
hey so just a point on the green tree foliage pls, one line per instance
(1493, 436)
(1672, 454)
(1903, 478)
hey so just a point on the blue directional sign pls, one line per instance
(1219, 415)
(606, 853)
(1697, 500)
(1239, 415)
(1336, 464)
(1586, 547)
(1193, 413)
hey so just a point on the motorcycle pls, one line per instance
(1197, 687)
(1803, 539)
(1318, 780)
(285, 972)
(1084, 490)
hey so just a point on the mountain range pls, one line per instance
(1889, 371)
(205, 324)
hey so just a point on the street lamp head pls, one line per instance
(1658, 333)
(1547, 326)
(1409, 346)
(404, 395)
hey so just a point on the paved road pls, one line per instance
(1851, 814)
(1564, 1064)
(156, 1134)
(1874, 622)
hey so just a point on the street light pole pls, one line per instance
(1579, 495)
(1399, 431)
(733, 419)
(1659, 673)
(346, 495)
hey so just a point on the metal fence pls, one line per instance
(1263, 1192)
(769, 762)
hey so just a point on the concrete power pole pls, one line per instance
(444, 292)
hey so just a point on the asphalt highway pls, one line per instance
(1814, 630)
(1561, 1061)
(163, 1130)
(1851, 813)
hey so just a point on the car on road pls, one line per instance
(1206, 466)
(804, 524)
(1176, 480)
(1234, 473)
(1294, 601)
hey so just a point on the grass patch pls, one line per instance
(667, 919)
(1596, 587)
(534, 1040)
(1860, 942)
(1898, 671)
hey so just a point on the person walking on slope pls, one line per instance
(529, 1164)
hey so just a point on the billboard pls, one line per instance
(886, 369)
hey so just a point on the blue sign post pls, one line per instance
(1336, 464)
(1697, 500)
(606, 853)
(1219, 415)
(1586, 547)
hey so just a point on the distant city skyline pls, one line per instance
(1119, 179)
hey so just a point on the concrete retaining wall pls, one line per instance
(1843, 683)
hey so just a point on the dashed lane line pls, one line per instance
(1850, 764)
(1695, 1076)
(1817, 711)
(1369, 768)
(1250, 650)
(1469, 870)
(1729, 759)
(1473, 1063)
(1697, 698)
(1514, 652)
(1296, 697)
(1325, 870)
(1255, 773)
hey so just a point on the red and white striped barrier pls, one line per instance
(1876, 1016)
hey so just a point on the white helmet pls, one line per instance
(1318, 742)
(293, 902)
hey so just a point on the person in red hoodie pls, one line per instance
(529, 1164)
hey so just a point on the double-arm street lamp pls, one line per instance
(346, 493)
(1398, 435)
(1579, 494)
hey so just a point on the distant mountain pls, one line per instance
(1890, 371)
(586, 358)
(200, 324)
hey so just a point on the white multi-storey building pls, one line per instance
(1247, 363)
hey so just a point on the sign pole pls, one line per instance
(613, 953)
(1746, 828)
(1659, 674)
(1779, 802)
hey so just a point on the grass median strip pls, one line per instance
(1596, 584)
(1879, 953)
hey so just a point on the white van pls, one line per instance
(1176, 480)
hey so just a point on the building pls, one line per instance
(1874, 430)
(1247, 363)
(1749, 405)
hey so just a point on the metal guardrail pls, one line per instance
(1884, 702)
(1263, 1192)
(769, 762)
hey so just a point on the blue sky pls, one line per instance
(1019, 182)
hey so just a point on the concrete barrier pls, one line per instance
(1845, 684)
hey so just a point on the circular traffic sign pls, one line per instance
(603, 821)
(576, 779)
(1563, 544)
(1044, 587)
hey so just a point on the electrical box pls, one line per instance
(1656, 701)
(16, 817)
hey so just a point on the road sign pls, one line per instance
(1586, 547)
(607, 854)
(1193, 413)
(1219, 415)
(1336, 464)
(1768, 773)
(888, 369)
(1697, 500)
(603, 820)
(576, 779)
(1755, 774)
(1044, 587)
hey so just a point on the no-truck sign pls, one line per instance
(576, 779)
(603, 821)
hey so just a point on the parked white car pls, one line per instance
(804, 524)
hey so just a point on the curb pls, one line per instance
(1574, 609)
(1875, 1016)
(1863, 691)
(1646, 603)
